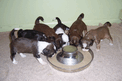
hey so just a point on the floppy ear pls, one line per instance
(91, 42)
(45, 51)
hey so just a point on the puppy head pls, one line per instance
(49, 50)
(74, 40)
(86, 43)
(108, 24)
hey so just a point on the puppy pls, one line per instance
(65, 37)
(32, 34)
(76, 30)
(49, 32)
(61, 25)
(96, 35)
(24, 45)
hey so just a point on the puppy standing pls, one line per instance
(24, 45)
(61, 29)
(49, 32)
(76, 30)
(61, 25)
(96, 35)
(65, 37)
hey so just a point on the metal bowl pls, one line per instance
(71, 61)
(70, 56)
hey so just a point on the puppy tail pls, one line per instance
(12, 36)
(20, 33)
(59, 21)
(108, 24)
(81, 16)
(39, 18)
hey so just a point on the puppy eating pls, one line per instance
(24, 45)
(65, 37)
(96, 35)
(76, 30)
(49, 32)
(61, 25)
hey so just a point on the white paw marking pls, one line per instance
(110, 44)
(85, 49)
(22, 55)
(101, 40)
(97, 49)
(41, 61)
(14, 61)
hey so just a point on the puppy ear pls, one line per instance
(45, 51)
(91, 42)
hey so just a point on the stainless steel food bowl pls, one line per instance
(71, 59)
(70, 55)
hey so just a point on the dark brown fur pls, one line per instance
(76, 30)
(49, 32)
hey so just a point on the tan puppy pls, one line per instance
(76, 30)
(96, 35)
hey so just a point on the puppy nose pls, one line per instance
(84, 44)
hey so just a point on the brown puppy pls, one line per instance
(96, 35)
(76, 30)
(49, 32)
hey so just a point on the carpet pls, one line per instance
(106, 65)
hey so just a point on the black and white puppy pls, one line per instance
(65, 37)
(62, 29)
(61, 25)
(24, 45)
(32, 34)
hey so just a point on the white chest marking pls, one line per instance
(42, 45)
(84, 45)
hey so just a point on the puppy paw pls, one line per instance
(97, 49)
(110, 44)
(85, 49)
(22, 55)
(15, 62)
(41, 61)
(101, 40)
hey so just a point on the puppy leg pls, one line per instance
(110, 40)
(22, 55)
(40, 59)
(13, 58)
(97, 45)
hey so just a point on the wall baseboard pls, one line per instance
(52, 24)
